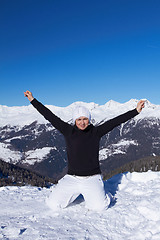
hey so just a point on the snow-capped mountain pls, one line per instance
(27, 139)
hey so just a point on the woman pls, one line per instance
(82, 144)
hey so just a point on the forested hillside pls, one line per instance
(14, 175)
(141, 165)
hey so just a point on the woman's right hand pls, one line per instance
(29, 95)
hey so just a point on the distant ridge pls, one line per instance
(24, 115)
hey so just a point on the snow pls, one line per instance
(25, 115)
(117, 148)
(29, 157)
(37, 155)
(133, 215)
(9, 155)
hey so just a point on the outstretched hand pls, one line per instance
(29, 95)
(140, 105)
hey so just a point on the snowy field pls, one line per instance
(133, 215)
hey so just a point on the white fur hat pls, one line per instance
(81, 111)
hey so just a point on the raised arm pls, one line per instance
(112, 123)
(59, 124)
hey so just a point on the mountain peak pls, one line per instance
(23, 115)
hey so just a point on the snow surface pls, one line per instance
(133, 215)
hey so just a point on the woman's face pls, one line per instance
(82, 122)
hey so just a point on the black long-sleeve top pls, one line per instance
(82, 145)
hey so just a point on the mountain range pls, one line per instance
(28, 140)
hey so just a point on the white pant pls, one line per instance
(70, 187)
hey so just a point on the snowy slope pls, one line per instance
(25, 115)
(134, 215)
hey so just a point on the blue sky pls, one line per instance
(79, 50)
